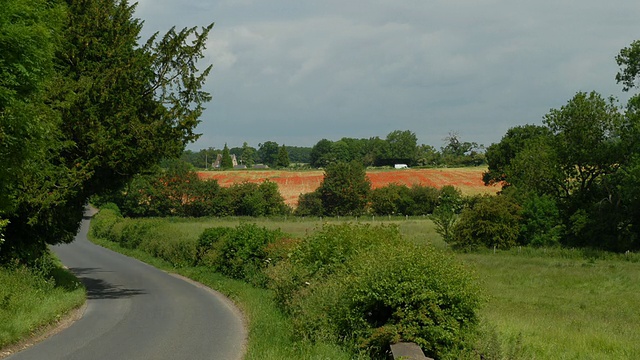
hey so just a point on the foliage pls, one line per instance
(248, 155)
(500, 155)
(392, 199)
(283, 157)
(226, 162)
(110, 109)
(493, 221)
(344, 189)
(458, 153)
(309, 204)
(177, 191)
(242, 252)
(541, 224)
(364, 287)
(268, 153)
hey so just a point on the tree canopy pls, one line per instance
(110, 107)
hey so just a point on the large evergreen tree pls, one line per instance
(118, 106)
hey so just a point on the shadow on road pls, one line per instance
(101, 289)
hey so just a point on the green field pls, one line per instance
(543, 304)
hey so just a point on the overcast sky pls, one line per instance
(296, 71)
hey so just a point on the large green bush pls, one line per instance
(391, 294)
(242, 252)
(362, 286)
(491, 221)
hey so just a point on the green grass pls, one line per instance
(270, 333)
(562, 308)
(29, 300)
(543, 304)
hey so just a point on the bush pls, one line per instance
(392, 199)
(326, 252)
(491, 221)
(208, 246)
(309, 204)
(389, 294)
(243, 253)
(103, 222)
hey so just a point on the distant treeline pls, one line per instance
(399, 147)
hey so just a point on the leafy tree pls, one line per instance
(456, 152)
(248, 155)
(499, 155)
(586, 140)
(283, 157)
(629, 61)
(268, 153)
(402, 146)
(375, 149)
(427, 155)
(120, 108)
(226, 162)
(28, 32)
(299, 154)
(320, 153)
(344, 189)
(391, 199)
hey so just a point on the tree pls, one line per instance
(226, 162)
(320, 153)
(268, 153)
(344, 189)
(248, 155)
(119, 108)
(403, 146)
(500, 155)
(283, 157)
(28, 31)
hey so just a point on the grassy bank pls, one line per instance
(30, 300)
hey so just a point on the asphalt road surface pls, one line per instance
(135, 311)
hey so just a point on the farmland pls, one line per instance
(293, 183)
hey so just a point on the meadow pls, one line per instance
(541, 304)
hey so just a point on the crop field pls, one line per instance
(293, 183)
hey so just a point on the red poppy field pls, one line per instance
(294, 183)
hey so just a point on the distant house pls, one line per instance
(216, 164)
(401, 166)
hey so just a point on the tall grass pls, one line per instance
(31, 299)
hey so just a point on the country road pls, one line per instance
(135, 311)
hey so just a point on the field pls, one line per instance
(294, 183)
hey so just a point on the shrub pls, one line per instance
(103, 222)
(542, 225)
(405, 292)
(243, 253)
(309, 204)
(391, 199)
(492, 221)
(344, 189)
(424, 200)
(208, 246)
(324, 253)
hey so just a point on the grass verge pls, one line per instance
(31, 300)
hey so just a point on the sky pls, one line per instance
(296, 71)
